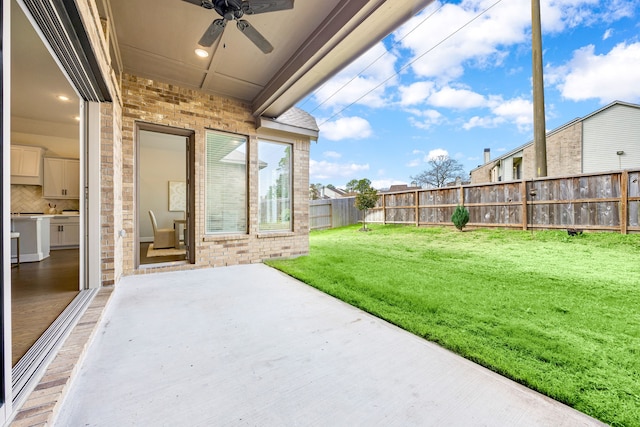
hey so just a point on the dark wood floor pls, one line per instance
(40, 291)
(144, 246)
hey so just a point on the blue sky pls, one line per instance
(454, 80)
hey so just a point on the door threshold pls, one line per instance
(163, 264)
(31, 366)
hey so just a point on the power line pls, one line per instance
(386, 52)
(411, 62)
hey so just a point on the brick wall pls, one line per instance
(111, 192)
(482, 174)
(564, 151)
(149, 101)
(564, 156)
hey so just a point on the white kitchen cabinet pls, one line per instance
(65, 231)
(26, 165)
(34, 236)
(61, 178)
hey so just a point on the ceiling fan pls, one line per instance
(234, 10)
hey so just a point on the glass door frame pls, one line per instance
(190, 160)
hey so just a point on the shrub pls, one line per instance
(460, 217)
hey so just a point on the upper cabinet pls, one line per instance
(26, 165)
(61, 178)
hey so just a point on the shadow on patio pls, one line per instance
(249, 345)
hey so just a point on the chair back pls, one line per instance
(153, 222)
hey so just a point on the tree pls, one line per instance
(442, 170)
(366, 198)
(315, 191)
(280, 189)
(460, 217)
(351, 186)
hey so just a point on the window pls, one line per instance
(226, 183)
(274, 163)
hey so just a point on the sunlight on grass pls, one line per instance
(559, 314)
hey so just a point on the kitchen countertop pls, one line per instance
(31, 216)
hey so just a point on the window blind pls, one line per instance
(226, 183)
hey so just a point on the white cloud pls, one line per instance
(484, 43)
(332, 154)
(607, 77)
(436, 153)
(346, 128)
(483, 122)
(416, 93)
(426, 118)
(323, 170)
(460, 99)
(375, 66)
(518, 111)
(386, 183)
(607, 34)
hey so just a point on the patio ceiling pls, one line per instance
(156, 39)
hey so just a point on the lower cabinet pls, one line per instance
(65, 232)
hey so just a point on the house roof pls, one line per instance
(298, 118)
(556, 130)
(401, 187)
(313, 41)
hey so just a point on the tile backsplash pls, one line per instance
(28, 198)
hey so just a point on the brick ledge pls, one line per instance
(42, 405)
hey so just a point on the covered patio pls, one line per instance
(248, 345)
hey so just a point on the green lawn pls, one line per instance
(559, 314)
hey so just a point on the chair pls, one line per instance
(16, 235)
(162, 237)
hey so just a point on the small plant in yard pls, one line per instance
(460, 217)
(366, 199)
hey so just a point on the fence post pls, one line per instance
(523, 197)
(384, 209)
(624, 201)
(416, 198)
(331, 213)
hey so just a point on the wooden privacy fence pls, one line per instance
(605, 201)
(331, 213)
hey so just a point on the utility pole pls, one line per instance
(539, 127)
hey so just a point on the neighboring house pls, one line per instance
(401, 187)
(607, 139)
(128, 68)
(332, 193)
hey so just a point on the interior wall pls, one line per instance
(54, 146)
(162, 159)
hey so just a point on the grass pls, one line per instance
(558, 314)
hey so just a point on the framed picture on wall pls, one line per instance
(177, 196)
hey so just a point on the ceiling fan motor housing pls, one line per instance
(229, 9)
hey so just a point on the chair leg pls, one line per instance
(17, 252)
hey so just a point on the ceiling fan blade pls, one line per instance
(253, 35)
(253, 7)
(196, 2)
(213, 32)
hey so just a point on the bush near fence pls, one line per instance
(599, 202)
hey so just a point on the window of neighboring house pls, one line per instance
(275, 190)
(226, 183)
(517, 168)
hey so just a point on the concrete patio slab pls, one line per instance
(248, 345)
